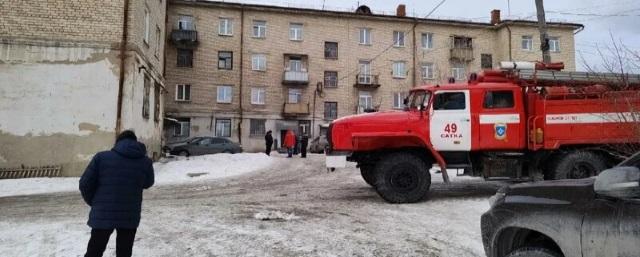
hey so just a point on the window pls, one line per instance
(225, 27)
(364, 77)
(185, 58)
(295, 31)
(145, 97)
(427, 40)
(450, 101)
(158, 42)
(259, 62)
(330, 110)
(225, 60)
(183, 92)
(554, 44)
(295, 95)
(182, 127)
(486, 61)
(398, 38)
(258, 95)
(498, 99)
(457, 71)
(330, 50)
(330, 79)
(365, 36)
(462, 42)
(156, 103)
(295, 63)
(259, 29)
(225, 93)
(427, 71)
(398, 70)
(527, 43)
(223, 127)
(398, 100)
(256, 127)
(146, 26)
(185, 23)
(365, 101)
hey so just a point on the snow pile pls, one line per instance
(275, 215)
(207, 167)
(177, 171)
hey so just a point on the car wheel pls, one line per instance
(578, 164)
(367, 174)
(184, 153)
(402, 178)
(533, 252)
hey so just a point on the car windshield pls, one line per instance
(418, 98)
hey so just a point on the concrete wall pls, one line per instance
(57, 104)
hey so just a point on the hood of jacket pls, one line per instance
(130, 148)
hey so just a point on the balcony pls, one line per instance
(299, 78)
(463, 54)
(367, 81)
(295, 109)
(184, 38)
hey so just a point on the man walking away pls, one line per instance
(268, 140)
(290, 142)
(112, 185)
(303, 145)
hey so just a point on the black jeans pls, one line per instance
(100, 238)
(268, 150)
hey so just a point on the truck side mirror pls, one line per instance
(619, 182)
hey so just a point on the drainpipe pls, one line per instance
(415, 51)
(509, 29)
(241, 71)
(123, 58)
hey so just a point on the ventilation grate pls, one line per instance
(30, 172)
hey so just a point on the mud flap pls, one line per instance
(335, 161)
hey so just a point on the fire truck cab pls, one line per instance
(523, 124)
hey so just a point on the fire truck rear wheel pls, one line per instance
(367, 174)
(402, 178)
(578, 164)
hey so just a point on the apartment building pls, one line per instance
(238, 70)
(75, 73)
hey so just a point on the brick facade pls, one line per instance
(320, 27)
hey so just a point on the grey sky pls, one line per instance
(620, 17)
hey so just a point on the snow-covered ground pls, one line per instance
(285, 207)
(169, 171)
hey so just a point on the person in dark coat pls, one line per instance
(268, 140)
(304, 142)
(112, 185)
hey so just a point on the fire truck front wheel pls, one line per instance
(402, 178)
(366, 171)
(578, 164)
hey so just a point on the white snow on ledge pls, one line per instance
(179, 170)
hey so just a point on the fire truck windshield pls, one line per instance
(419, 99)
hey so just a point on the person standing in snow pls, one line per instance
(290, 142)
(268, 140)
(304, 142)
(112, 185)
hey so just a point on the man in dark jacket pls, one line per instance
(112, 185)
(304, 144)
(268, 140)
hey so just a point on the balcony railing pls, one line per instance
(464, 54)
(184, 38)
(295, 109)
(295, 78)
(366, 81)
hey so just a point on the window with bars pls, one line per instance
(330, 50)
(330, 110)
(225, 60)
(330, 79)
(257, 127)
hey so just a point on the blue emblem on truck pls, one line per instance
(500, 131)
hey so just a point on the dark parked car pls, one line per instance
(203, 145)
(594, 217)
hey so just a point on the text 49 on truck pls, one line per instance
(526, 121)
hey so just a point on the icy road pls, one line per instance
(292, 207)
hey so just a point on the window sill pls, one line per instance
(428, 78)
(259, 70)
(258, 104)
(427, 49)
(225, 103)
(365, 44)
(184, 67)
(330, 87)
(261, 38)
(331, 58)
(295, 40)
(395, 46)
(182, 101)
(395, 77)
(224, 68)
(225, 35)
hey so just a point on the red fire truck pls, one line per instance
(526, 121)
